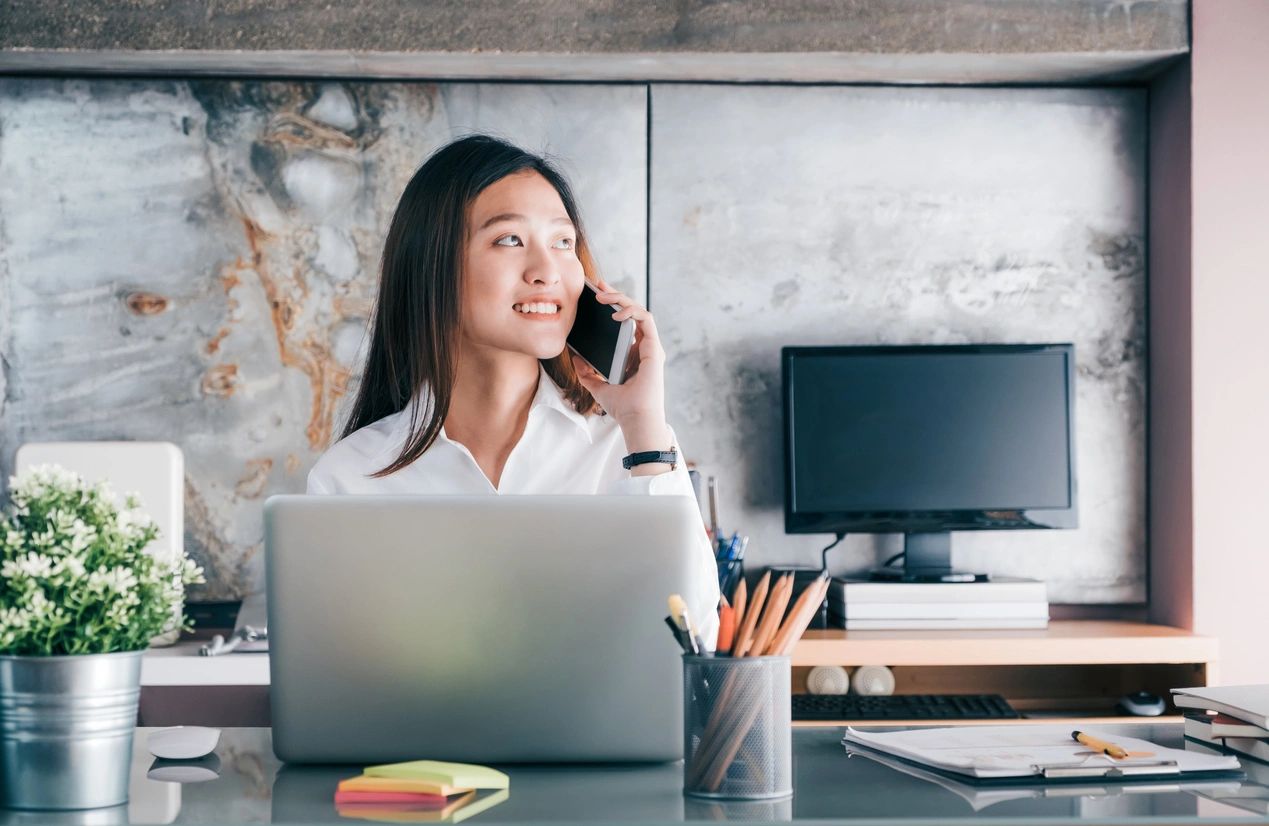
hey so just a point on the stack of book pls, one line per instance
(421, 791)
(1231, 717)
(1002, 602)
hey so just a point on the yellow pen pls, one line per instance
(1117, 752)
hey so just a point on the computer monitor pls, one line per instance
(925, 440)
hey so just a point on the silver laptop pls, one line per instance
(476, 628)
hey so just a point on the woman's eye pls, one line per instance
(569, 241)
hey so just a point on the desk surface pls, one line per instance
(828, 787)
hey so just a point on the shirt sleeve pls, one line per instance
(316, 485)
(703, 604)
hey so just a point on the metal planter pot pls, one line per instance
(66, 727)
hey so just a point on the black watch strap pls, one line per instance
(669, 457)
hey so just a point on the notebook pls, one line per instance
(1011, 752)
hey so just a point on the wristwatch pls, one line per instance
(670, 457)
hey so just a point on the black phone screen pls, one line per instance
(594, 334)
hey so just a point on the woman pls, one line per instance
(468, 386)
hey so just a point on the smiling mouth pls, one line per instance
(537, 308)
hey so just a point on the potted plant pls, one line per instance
(80, 599)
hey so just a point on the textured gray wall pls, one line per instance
(603, 26)
(885, 215)
(195, 262)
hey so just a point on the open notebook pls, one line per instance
(1010, 752)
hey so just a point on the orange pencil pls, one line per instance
(738, 599)
(800, 617)
(771, 617)
(726, 629)
(745, 633)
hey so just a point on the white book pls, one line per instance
(1249, 703)
(936, 624)
(1225, 726)
(1250, 746)
(1215, 726)
(1199, 727)
(998, 589)
(945, 610)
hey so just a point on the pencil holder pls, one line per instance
(737, 735)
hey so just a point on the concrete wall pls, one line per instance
(887, 216)
(1230, 316)
(194, 261)
(887, 27)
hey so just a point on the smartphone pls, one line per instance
(601, 342)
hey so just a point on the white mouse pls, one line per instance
(183, 742)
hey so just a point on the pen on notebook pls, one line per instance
(1117, 752)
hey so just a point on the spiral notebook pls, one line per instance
(1012, 752)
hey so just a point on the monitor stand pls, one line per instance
(927, 557)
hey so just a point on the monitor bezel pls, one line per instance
(925, 521)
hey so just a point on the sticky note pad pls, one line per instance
(459, 775)
(399, 784)
(349, 796)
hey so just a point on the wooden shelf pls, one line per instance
(1064, 642)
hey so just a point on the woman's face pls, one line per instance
(522, 276)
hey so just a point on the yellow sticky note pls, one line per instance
(458, 775)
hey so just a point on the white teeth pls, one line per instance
(538, 307)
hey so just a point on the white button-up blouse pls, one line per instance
(561, 451)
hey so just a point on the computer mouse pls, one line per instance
(1143, 704)
(183, 742)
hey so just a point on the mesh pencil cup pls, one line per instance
(737, 727)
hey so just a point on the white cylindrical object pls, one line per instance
(828, 679)
(873, 680)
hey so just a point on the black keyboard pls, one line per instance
(902, 707)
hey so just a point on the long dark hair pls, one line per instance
(414, 338)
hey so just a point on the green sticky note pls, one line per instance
(458, 775)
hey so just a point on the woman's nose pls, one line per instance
(542, 270)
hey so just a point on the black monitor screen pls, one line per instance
(947, 429)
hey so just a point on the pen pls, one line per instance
(1117, 752)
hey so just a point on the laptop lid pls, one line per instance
(476, 628)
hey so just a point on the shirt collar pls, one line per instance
(547, 395)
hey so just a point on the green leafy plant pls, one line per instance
(75, 576)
